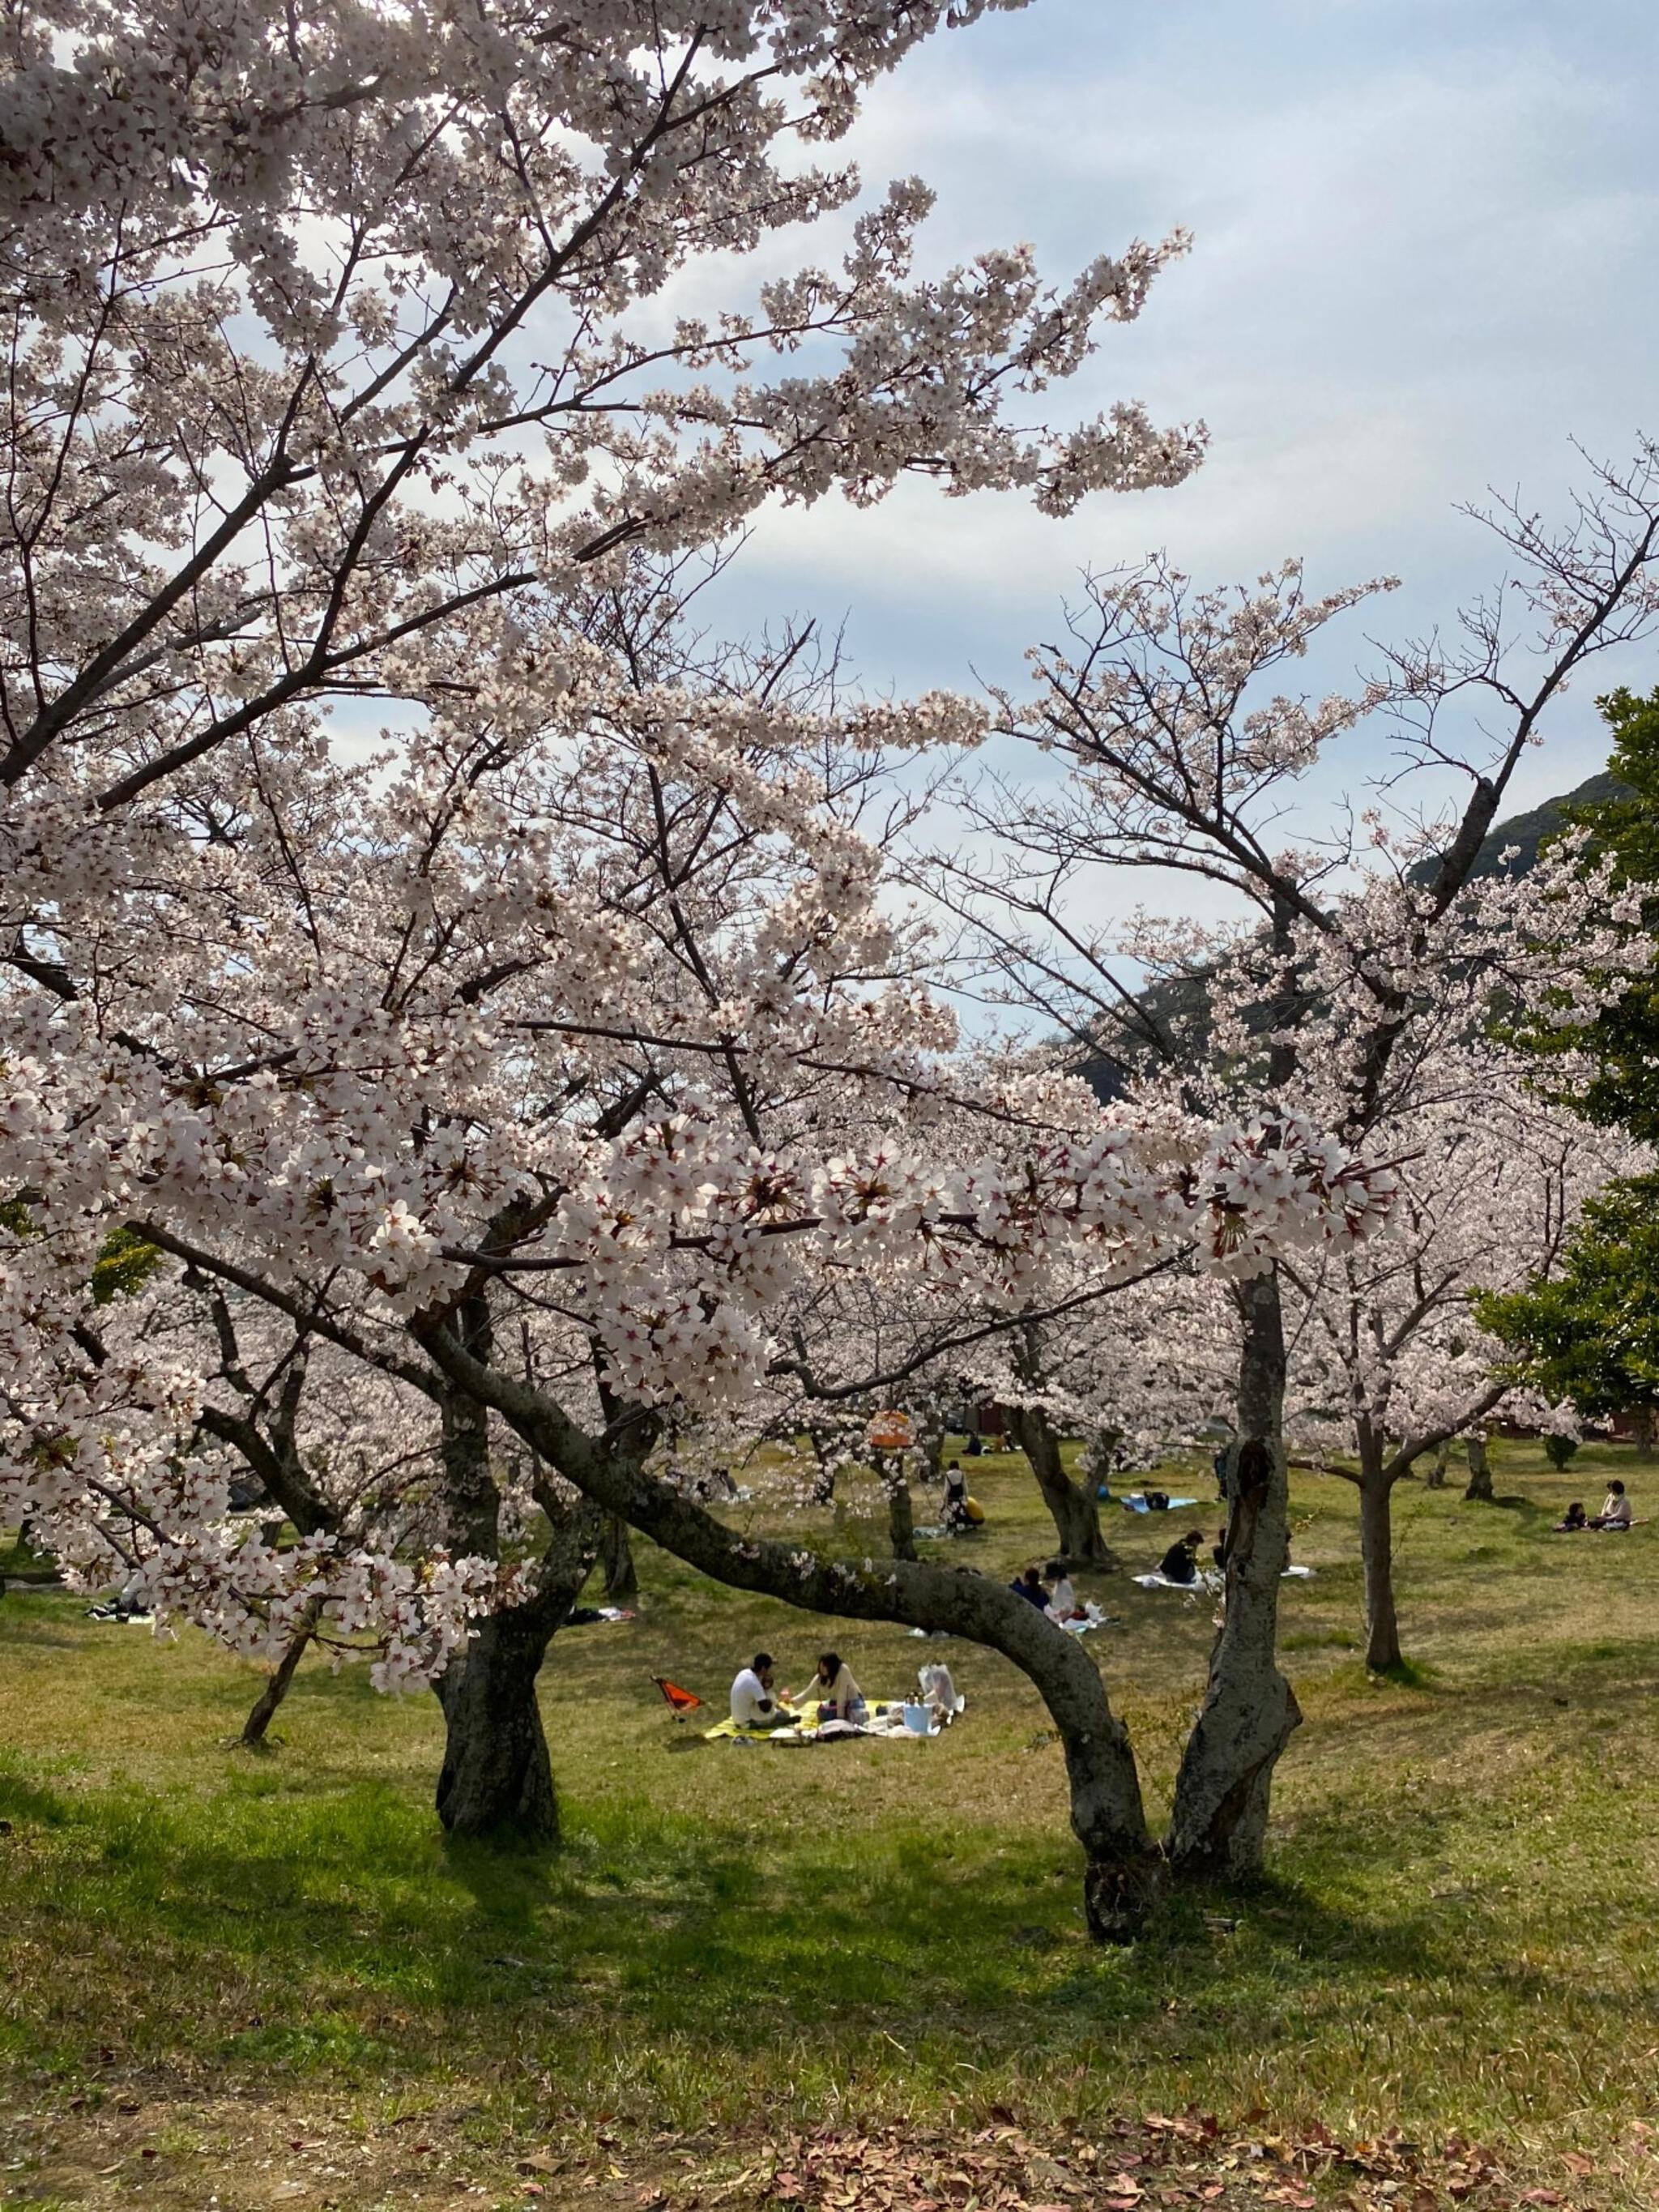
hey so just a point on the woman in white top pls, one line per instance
(1615, 1513)
(840, 1697)
(1062, 1599)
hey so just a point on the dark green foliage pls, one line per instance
(1591, 1334)
(124, 1265)
(1623, 1041)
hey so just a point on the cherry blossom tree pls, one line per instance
(1389, 1360)
(1362, 951)
(334, 331)
(359, 362)
(412, 1548)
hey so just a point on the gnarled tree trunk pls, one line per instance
(1072, 1505)
(901, 1514)
(1376, 1551)
(622, 1580)
(497, 1778)
(1224, 1787)
(497, 1781)
(1479, 1484)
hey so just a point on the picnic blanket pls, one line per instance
(885, 1721)
(1136, 1503)
(1093, 1618)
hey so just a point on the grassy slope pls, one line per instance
(1459, 1931)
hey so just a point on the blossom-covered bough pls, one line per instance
(331, 328)
(1372, 956)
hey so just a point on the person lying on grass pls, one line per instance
(755, 1703)
(1572, 1519)
(1180, 1563)
(839, 1695)
(1615, 1513)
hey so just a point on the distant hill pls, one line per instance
(1528, 831)
(1178, 1005)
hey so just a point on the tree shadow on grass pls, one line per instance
(342, 1931)
(509, 1878)
(22, 1801)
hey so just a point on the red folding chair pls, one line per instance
(679, 1702)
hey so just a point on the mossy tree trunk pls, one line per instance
(622, 1580)
(901, 1510)
(1224, 1787)
(1479, 1482)
(1376, 1481)
(1072, 1505)
(497, 1781)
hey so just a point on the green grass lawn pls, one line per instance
(1458, 1933)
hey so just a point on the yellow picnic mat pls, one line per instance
(803, 1715)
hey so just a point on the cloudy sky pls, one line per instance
(1423, 260)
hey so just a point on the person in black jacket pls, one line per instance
(1180, 1563)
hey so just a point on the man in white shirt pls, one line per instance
(754, 1703)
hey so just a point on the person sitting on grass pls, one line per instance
(755, 1703)
(1180, 1563)
(1615, 1513)
(1062, 1599)
(840, 1697)
(1571, 1519)
(1029, 1584)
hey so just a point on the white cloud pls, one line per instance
(1424, 241)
